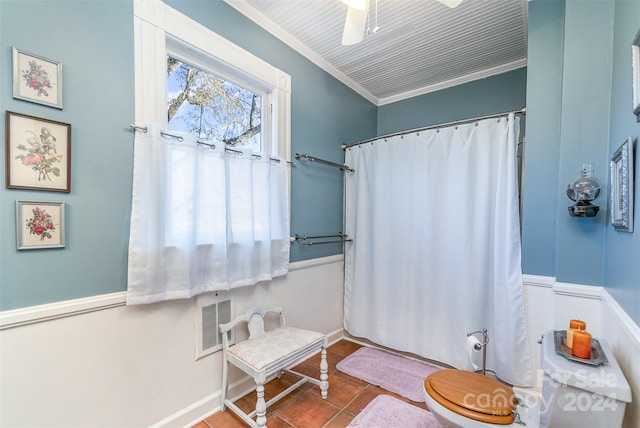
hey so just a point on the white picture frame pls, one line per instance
(622, 176)
(39, 225)
(37, 79)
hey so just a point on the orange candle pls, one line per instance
(581, 344)
(577, 324)
(570, 333)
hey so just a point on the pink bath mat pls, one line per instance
(388, 412)
(394, 373)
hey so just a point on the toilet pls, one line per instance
(579, 394)
(574, 394)
(459, 398)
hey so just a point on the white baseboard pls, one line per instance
(192, 414)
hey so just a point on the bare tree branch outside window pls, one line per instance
(211, 108)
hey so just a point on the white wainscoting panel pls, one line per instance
(76, 365)
(95, 362)
(550, 305)
(538, 293)
(581, 302)
(623, 336)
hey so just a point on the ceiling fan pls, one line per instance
(355, 24)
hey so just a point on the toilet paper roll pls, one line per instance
(475, 355)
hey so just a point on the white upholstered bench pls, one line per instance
(266, 353)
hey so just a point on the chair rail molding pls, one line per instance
(578, 290)
(51, 311)
(538, 280)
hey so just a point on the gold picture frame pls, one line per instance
(38, 153)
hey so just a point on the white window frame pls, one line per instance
(160, 30)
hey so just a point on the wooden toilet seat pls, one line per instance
(472, 395)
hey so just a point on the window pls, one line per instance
(213, 109)
(210, 199)
(162, 33)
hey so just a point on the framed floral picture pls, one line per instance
(39, 225)
(38, 153)
(37, 79)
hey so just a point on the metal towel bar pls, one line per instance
(304, 239)
(324, 162)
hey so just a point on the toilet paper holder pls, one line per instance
(482, 345)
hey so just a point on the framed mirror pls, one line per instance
(621, 170)
(635, 62)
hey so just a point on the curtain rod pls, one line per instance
(144, 129)
(522, 111)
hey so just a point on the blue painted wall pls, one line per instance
(621, 268)
(495, 94)
(578, 111)
(542, 147)
(94, 41)
(569, 110)
(586, 90)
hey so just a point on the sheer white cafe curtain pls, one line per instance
(436, 251)
(202, 219)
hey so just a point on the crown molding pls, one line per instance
(482, 74)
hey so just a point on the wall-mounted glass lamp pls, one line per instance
(583, 190)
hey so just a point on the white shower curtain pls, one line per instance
(436, 251)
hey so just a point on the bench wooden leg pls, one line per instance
(324, 376)
(225, 383)
(261, 407)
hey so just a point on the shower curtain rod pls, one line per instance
(522, 111)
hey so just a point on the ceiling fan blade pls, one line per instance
(354, 26)
(357, 4)
(450, 3)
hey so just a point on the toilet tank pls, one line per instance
(575, 394)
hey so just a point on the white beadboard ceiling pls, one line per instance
(421, 45)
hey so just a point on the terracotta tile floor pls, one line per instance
(303, 408)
